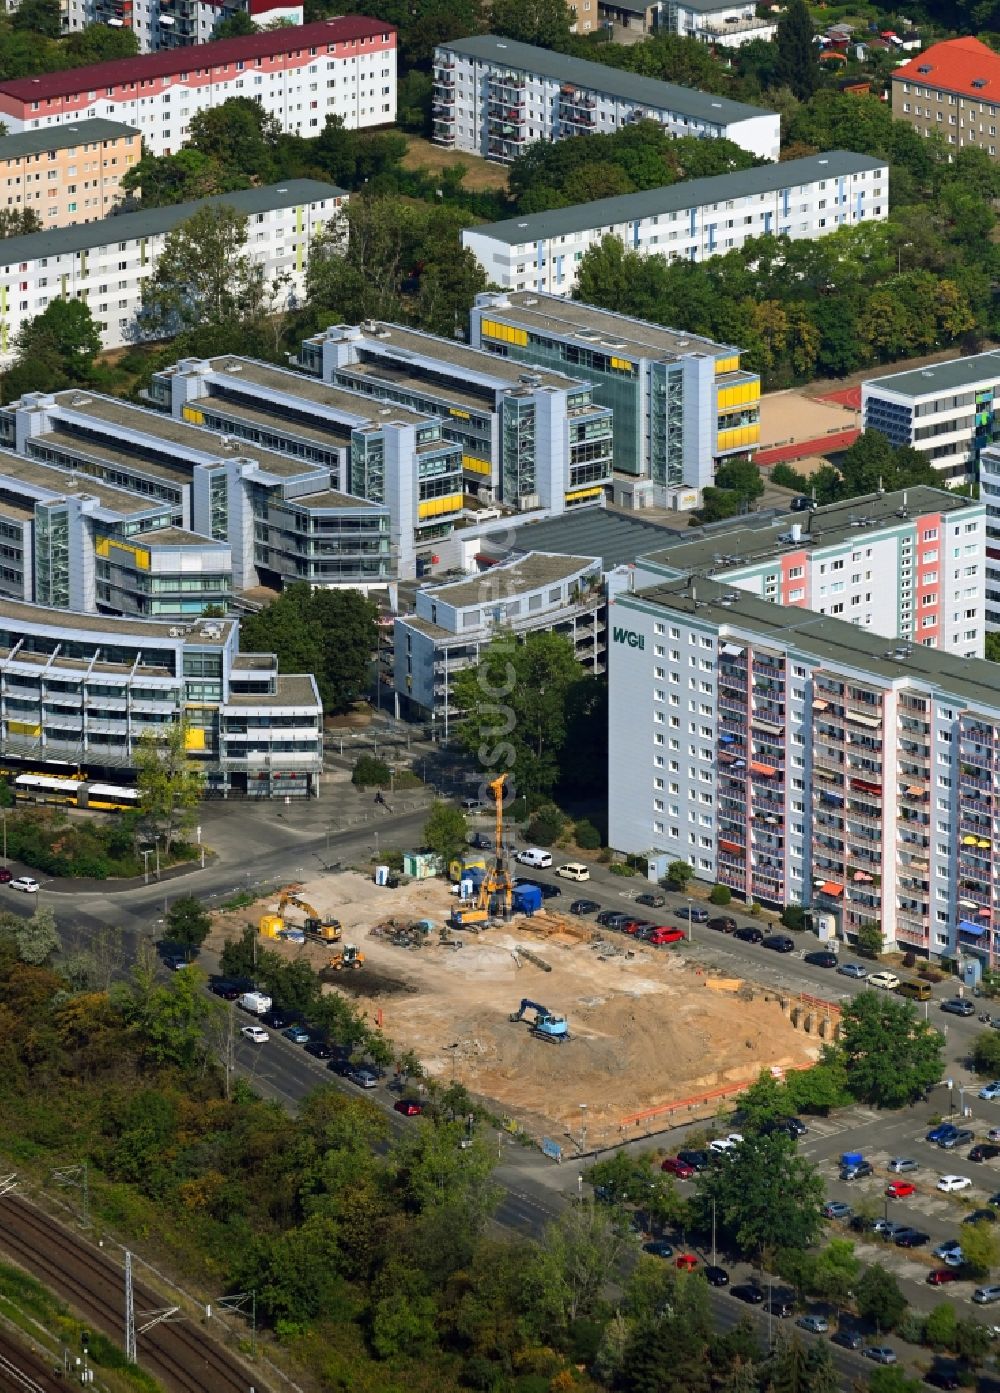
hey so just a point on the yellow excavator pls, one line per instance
(314, 925)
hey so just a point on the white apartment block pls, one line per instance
(799, 759)
(338, 67)
(719, 22)
(106, 263)
(885, 563)
(495, 97)
(159, 24)
(690, 221)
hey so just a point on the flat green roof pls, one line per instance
(62, 137)
(615, 82)
(831, 642)
(940, 377)
(676, 198)
(151, 222)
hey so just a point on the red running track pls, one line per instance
(800, 449)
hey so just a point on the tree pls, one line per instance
(870, 941)
(574, 1256)
(679, 873)
(179, 178)
(56, 348)
(330, 633)
(188, 922)
(980, 1248)
(836, 1273)
(240, 135)
(100, 43)
(36, 940)
(40, 17)
(939, 1327)
(890, 1055)
(972, 1341)
(741, 477)
(169, 782)
(765, 1196)
(986, 1053)
(17, 222)
(446, 831)
(515, 705)
(545, 23)
(893, 1380)
(235, 26)
(204, 278)
(797, 66)
(879, 1297)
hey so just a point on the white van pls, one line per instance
(574, 870)
(534, 856)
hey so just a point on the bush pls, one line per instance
(793, 916)
(546, 826)
(678, 875)
(720, 894)
(370, 772)
(754, 910)
(587, 836)
(621, 868)
(909, 960)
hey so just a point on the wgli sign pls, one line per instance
(628, 636)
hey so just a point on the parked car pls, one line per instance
(943, 1376)
(911, 1238)
(658, 1248)
(611, 918)
(319, 1049)
(573, 870)
(255, 1033)
(821, 959)
(950, 1183)
(716, 1276)
(949, 1247)
(980, 1216)
(857, 1170)
(779, 943)
(847, 1338)
(25, 883)
(176, 962)
(723, 923)
(673, 1165)
(856, 970)
(749, 1292)
(985, 1296)
(879, 1354)
(750, 934)
(779, 1306)
(888, 981)
(984, 1151)
(228, 990)
(958, 1006)
(962, 1136)
(863, 1223)
(278, 1018)
(651, 900)
(899, 1165)
(6, 875)
(634, 927)
(363, 1076)
(900, 1190)
(583, 906)
(548, 892)
(941, 1276)
(990, 1091)
(685, 1262)
(791, 1126)
(660, 936)
(340, 1066)
(409, 1107)
(697, 1160)
(297, 1034)
(535, 857)
(837, 1209)
(696, 914)
(943, 1129)
(816, 1325)
(480, 841)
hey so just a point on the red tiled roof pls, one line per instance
(955, 65)
(198, 56)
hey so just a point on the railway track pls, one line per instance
(23, 1371)
(179, 1354)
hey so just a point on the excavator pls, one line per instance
(327, 930)
(546, 1025)
(496, 889)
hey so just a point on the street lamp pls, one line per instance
(583, 1127)
(689, 919)
(715, 1259)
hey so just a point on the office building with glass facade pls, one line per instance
(682, 404)
(530, 438)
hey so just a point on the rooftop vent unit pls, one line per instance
(382, 332)
(234, 367)
(531, 300)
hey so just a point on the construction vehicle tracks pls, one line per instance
(90, 1280)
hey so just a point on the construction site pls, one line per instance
(569, 1030)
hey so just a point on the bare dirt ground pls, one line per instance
(646, 1029)
(480, 174)
(788, 416)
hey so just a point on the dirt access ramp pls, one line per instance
(646, 1029)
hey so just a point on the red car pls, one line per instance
(632, 926)
(6, 875)
(900, 1190)
(673, 1165)
(940, 1275)
(687, 1262)
(408, 1107)
(665, 935)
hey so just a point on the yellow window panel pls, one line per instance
(23, 728)
(475, 465)
(192, 414)
(583, 493)
(194, 738)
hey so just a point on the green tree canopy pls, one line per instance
(766, 1196)
(545, 23)
(169, 782)
(188, 922)
(891, 1056)
(446, 831)
(797, 64)
(239, 135)
(879, 1297)
(55, 349)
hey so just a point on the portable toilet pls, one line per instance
(526, 899)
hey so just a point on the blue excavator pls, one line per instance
(546, 1025)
